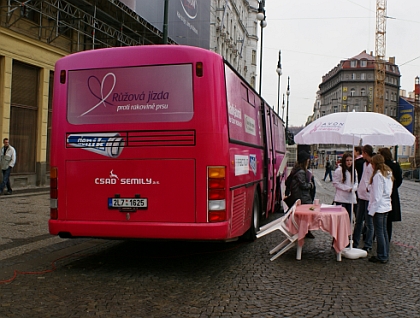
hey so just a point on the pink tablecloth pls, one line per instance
(337, 223)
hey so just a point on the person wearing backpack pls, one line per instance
(300, 184)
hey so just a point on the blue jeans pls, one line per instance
(362, 215)
(382, 242)
(6, 181)
(328, 172)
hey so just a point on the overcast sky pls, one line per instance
(315, 35)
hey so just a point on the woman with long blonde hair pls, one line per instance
(380, 189)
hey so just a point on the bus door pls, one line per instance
(268, 162)
(280, 159)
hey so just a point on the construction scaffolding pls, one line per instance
(77, 25)
(380, 49)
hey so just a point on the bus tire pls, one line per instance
(251, 234)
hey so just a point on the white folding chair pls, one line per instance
(281, 225)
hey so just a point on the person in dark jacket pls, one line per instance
(328, 168)
(300, 183)
(395, 214)
(358, 162)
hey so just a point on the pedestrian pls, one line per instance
(395, 214)
(300, 183)
(345, 183)
(380, 189)
(362, 216)
(7, 162)
(328, 170)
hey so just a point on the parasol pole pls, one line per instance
(350, 252)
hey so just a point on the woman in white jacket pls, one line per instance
(380, 190)
(345, 183)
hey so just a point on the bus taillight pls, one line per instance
(199, 69)
(63, 77)
(216, 184)
(53, 193)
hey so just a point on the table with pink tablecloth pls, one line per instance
(334, 220)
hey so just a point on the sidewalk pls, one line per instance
(325, 190)
(19, 191)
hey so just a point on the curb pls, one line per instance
(18, 191)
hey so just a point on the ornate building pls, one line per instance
(234, 35)
(350, 87)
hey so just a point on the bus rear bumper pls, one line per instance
(149, 230)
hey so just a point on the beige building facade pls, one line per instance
(26, 70)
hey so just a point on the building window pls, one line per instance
(386, 110)
(253, 81)
(24, 115)
(352, 92)
(363, 76)
(29, 14)
(353, 63)
(254, 57)
(335, 109)
(353, 76)
(362, 92)
(363, 63)
(386, 95)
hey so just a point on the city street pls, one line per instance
(45, 276)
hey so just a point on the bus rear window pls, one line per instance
(130, 95)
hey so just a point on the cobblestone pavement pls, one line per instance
(100, 278)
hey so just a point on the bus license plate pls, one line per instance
(139, 203)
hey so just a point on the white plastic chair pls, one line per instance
(281, 225)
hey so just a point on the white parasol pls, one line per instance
(353, 128)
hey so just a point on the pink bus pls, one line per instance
(164, 142)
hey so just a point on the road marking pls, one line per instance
(19, 250)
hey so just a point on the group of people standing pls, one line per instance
(371, 188)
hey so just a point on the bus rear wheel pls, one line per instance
(251, 234)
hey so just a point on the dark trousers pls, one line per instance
(328, 172)
(6, 181)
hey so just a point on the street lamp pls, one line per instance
(165, 22)
(287, 107)
(279, 72)
(263, 24)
